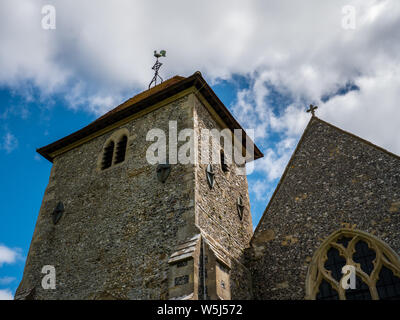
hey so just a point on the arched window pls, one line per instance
(114, 150)
(121, 150)
(376, 265)
(107, 155)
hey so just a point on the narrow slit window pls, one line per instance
(121, 150)
(224, 165)
(108, 156)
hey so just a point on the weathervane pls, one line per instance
(312, 109)
(156, 67)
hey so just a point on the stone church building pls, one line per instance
(114, 226)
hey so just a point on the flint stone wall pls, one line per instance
(216, 210)
(120, 225)
(334, 180)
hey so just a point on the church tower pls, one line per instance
(112, 225)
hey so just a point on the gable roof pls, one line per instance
(314, 118)
(146, 99)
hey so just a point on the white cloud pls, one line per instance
(6, 294)
(9, 143)
(371, 112)
(101, 52)
(8, 255)
(218, 37)
(97, 104)
(259, 188)
(275, 159)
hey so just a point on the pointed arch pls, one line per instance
(377, 267)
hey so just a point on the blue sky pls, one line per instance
(266, 60)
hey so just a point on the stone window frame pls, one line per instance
(115, 138)
(385, 256)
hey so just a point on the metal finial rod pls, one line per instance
(312, 109)
(157, 67)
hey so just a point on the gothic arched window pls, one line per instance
(108, 155)
(377, 268)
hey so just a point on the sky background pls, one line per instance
(266, 60)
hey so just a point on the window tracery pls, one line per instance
(377, 268)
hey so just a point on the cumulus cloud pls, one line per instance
(6, 294)
(102, 49)
(260, 189)
(8, 255)
(292, 53)
(9, 143)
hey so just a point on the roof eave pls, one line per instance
(194, 80)
(227, 117)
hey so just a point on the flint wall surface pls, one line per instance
(334, 180)
(120, 225)
(216, 210)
